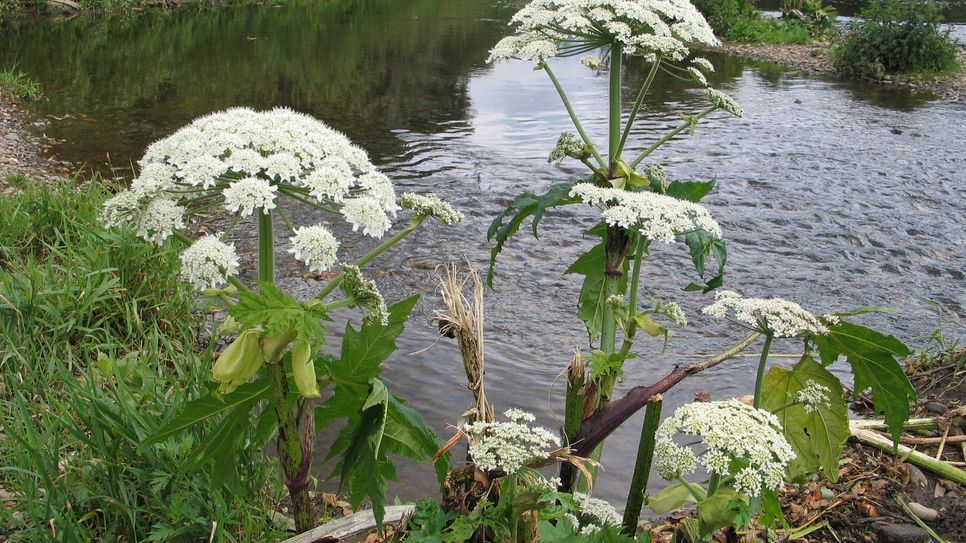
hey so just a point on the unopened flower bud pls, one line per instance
(239, 362)
(304, 370)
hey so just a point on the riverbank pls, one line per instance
(23, 153)
(816, 58)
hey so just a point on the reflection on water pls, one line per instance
(835, 195)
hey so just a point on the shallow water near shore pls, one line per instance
(835, 195)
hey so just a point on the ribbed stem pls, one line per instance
(573, 115)
(642, 466)
(762, 362)
(637, 105)
(614, 100)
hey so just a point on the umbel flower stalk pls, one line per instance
(242, 161)
(633, 208)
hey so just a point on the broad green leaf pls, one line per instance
(703, 244)
(671, 498)
(363, 352)
(692, 191)
(874, 360)
(817, 437)
(523, 206)
(651, 326)
(604, 365)
(202, 409)
(609, 534)
(407, 434)
(428, 522)
(719, 509)
(561, 532)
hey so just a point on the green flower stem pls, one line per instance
(632, 303)
(614, 100)
(642, 466)
(294, 452)
(761, 368)
(573, 115)
(713, 483)
(346, 302)
(574, 410)
(293, 195)
(637, 104)
(608, 325)
(413, 225)
(670, 135)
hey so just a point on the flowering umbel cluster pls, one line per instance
(775, 316)
(241, 160)
(548, 28)
(742, 442)
(511, 445)
(657, 217)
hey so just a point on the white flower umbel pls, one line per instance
(509, 446)
(364, 294)
(656, 216)
(596, 511)
(431, 206)
(814, 396)
(548, 28)
(731, 430)
(674, 312)
(366, 213)
(159, 219)
(249, 194)
(702, 64)
(316, 246)
(208, 262)
(775, 316)
(596, 64)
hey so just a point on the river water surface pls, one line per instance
(836, 195)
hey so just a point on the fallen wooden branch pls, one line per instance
(939, 467)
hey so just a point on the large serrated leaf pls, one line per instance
(817, 437)
(593, 293)
(276, 311)
(523, 206)
(208, 407)
(874, 358)
(692, 191)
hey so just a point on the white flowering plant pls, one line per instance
(242, 162)
(500, 496)
(638, 208)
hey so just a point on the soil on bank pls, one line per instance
(23, 148)
(816, 58)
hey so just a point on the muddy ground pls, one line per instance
(23, 148)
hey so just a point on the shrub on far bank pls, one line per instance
(739, 21)
(896, 36)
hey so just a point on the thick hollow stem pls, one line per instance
(632, 301)
(614, 101)
(762, 362)
(295, 429)
(642, 466)
(573, 115)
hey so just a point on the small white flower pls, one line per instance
(316, 246)
(775, 316)
(432, 206)
(154, 179)
(249, 194)
(365, 294)
(698, 76)
(202, 171)
(509, 446)
(366, 213)
(813, 396)
(600, 512)
(119, 209)
(723, 101)
(283, 166)
(674, 312)
(207, 263)
(703, 64)
(159, 220)
(594, 63)
(332, 178)
(730, 430)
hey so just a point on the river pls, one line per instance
(833, 194)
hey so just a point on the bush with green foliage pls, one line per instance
(896, 36)
(739, 21)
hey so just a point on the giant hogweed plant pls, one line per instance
(240, 162)
(640, 209)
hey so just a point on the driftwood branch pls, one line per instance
(939, 467)
(600, 425)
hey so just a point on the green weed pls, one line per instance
(17, 85)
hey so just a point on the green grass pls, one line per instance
(762, 30)
(98, 347)
(16, 85)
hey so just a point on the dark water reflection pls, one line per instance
(835, 195)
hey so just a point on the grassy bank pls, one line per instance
(16, 85)
(98, 343)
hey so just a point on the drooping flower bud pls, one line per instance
(304, 370)
(239, 362)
